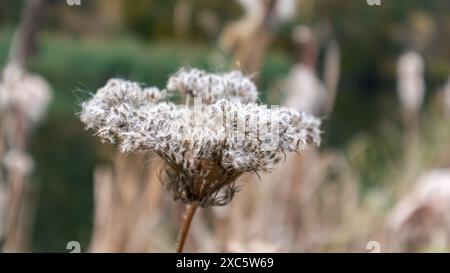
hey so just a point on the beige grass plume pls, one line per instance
(411, 84)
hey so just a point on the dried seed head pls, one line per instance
(206, 146)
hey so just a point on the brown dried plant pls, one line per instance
(24, 98)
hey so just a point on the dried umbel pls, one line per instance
(206, 146)
(219, 134)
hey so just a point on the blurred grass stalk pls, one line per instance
(127, 205)
(419, 220)
(255, 28)
(411, 93)
(24, 99)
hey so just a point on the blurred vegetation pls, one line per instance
(142, 46)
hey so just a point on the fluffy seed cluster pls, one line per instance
(212, 87)
(207, 146)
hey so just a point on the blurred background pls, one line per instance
(377, 75)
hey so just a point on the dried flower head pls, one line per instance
(206, 146)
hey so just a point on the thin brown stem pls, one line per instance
(24, 41)
(185, 225)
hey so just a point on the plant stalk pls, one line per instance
(185, 225)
